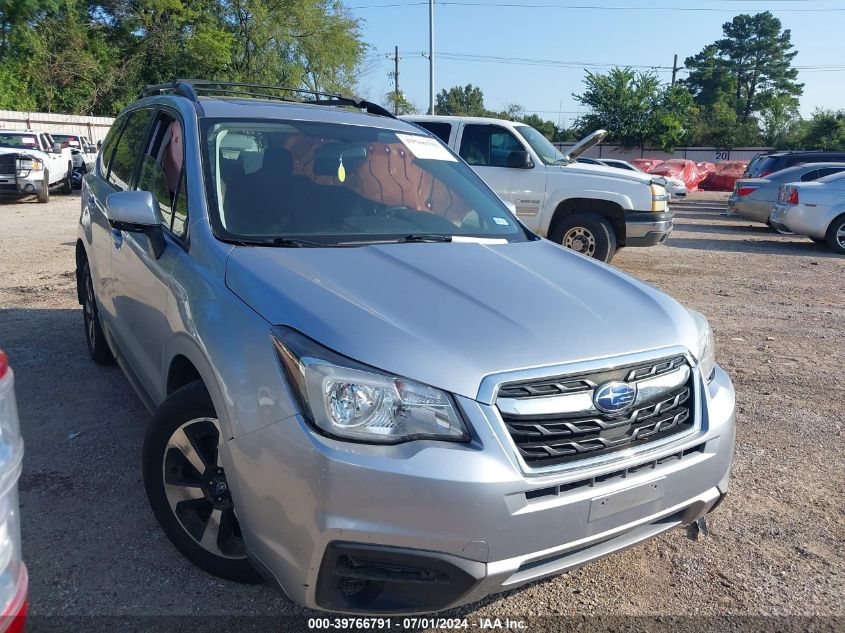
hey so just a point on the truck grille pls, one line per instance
(7, 164)
(554, 421)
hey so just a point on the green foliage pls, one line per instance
(93, 57)
(548, 128)
(458, 101)
(749, 68)
(398, 104)
(825, 130)
(634, 108)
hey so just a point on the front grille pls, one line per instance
(8, 163)
(550, 438)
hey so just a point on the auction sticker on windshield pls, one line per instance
(425, 148)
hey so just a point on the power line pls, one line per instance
(586, 7)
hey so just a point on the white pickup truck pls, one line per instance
(589, 208)
(31, 163)
(83, 152)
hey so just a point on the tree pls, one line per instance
(546, 128)
(748, 68)
(458, 101)
(398, 104)
(825, 130)
(94, 56)
(634, 108)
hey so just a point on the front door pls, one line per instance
(487, 148)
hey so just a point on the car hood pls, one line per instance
(451, 314)
(607, 172)
(37, 153)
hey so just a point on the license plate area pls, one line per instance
(608, 505)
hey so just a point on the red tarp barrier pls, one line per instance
(725, 175)
(646, 164)
(685, 170)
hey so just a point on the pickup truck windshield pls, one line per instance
(548, 153)
(323, 184)
(19, 141)
(67, 140)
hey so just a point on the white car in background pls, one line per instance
(83, 152)
(815, 209)
(674, 186)
(32, 162)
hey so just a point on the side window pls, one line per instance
(161, 165)
(488, 145)
(810, 175)
(827, 171)
(107, 147)
(126, 150)
(438, 128)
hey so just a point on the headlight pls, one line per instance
(659, 197)
(29, 164)
(349, 400)
(706, 352)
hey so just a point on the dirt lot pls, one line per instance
(778, 308)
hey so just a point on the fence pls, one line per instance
(697, 154)
(94, 128)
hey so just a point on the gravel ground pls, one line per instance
(776, 547)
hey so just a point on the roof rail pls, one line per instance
(194, 88)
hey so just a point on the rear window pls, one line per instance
(440, 129)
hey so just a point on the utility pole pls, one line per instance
(396, 81)
(675, 69)
(431, 56)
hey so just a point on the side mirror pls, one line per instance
(137, 212)
(520, 160)
(57, 148)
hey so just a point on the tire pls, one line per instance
(586, 233)
(836, 235)
(67, 183)
(182, 440)
(98, 348)
(44, 194)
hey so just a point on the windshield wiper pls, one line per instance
(290, 242)
(424, 237)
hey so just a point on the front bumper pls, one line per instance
(430, 512)
(647, 228)
(12, 185)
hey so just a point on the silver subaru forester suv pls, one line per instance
(370, 384)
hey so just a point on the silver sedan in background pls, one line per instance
(754, 198)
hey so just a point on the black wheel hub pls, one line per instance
(216, 488)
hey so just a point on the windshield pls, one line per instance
(333, 184)
(67, 140)
(18, 141)
(547, 152)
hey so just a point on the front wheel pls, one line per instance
(187, 487)
(67, 183)
(586, 233)
(836, 235)
(44, 193)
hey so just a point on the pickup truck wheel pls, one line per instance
(67, 183)
(588, 234)
(187, 488)
(836, 235)
(44, 193)
(98, 349)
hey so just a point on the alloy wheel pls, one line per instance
(88, 311)
(840, 236)
(581, 240)
(197, 491)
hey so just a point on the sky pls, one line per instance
(547, 46)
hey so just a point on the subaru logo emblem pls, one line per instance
(614, 397)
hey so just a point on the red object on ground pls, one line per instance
(684, 170)
(646, 164)
(13, 617)
(724, 176)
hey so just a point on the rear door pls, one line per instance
(486, 147)
(141, 281)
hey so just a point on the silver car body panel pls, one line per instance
(463, 317)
